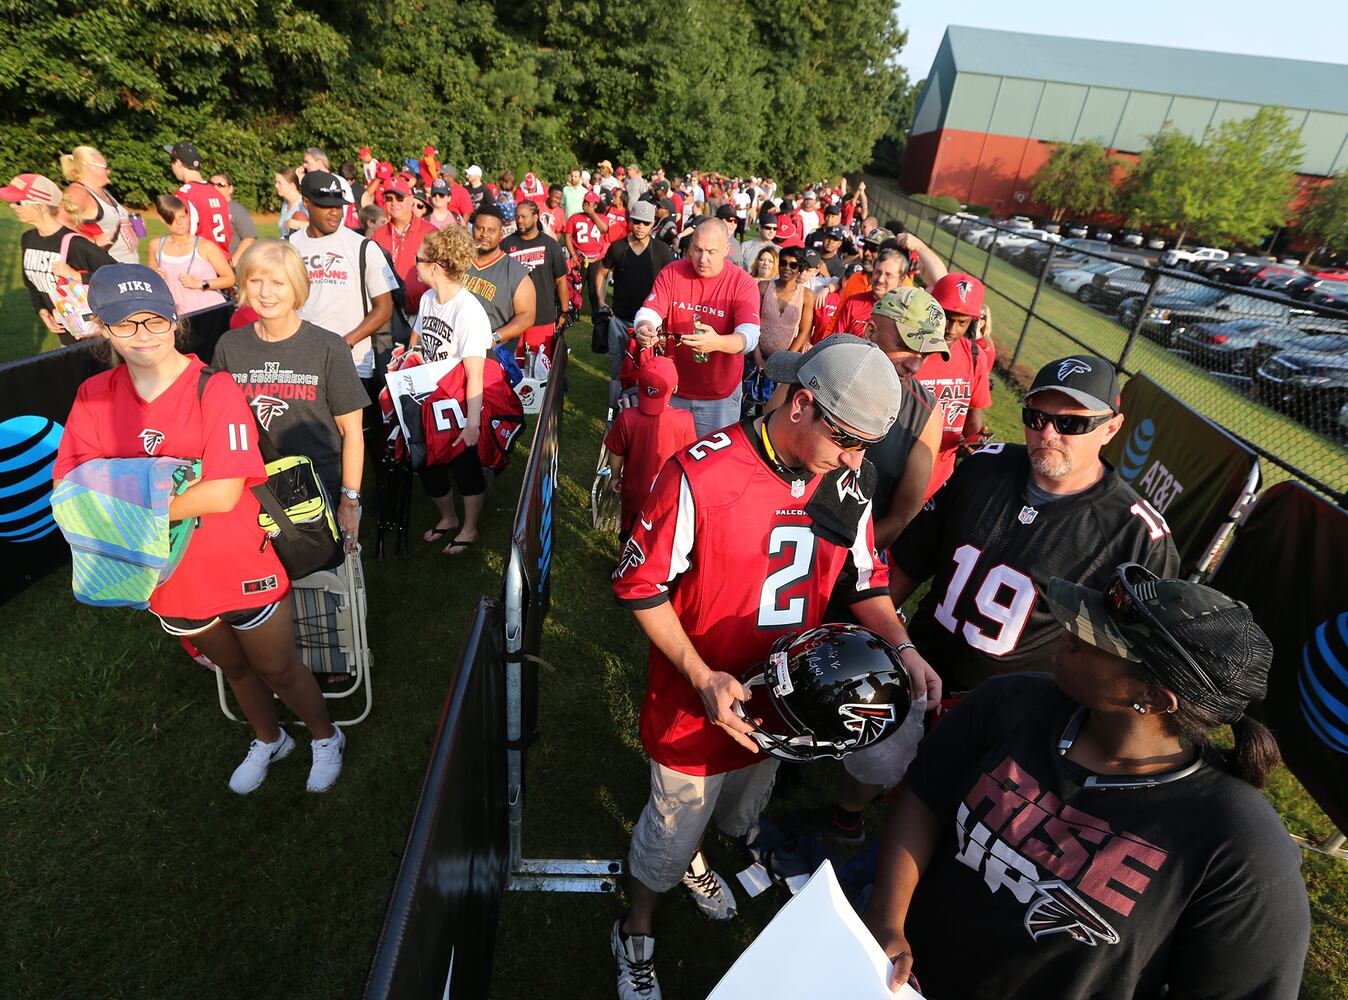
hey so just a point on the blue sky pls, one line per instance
(1308, 29)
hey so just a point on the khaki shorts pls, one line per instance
(671, 826)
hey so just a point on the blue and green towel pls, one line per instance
(114, 512)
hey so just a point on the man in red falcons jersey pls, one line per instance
(206, 206)
(743, 538)
(1011, 518)
(709, 313)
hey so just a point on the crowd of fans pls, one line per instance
(795, 424)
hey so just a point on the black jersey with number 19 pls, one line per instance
(989, 553)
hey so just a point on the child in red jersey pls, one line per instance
(229, 594)
(643, 437)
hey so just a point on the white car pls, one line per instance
(1192, 256)
(974, 234)
(1071, 280)
(1023, 238)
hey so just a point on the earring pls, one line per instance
(1139, 708)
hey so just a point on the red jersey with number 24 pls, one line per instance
(744, 556)
(226, 567)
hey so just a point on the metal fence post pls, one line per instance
(1034, 300)
(514, 691)
(988, 262)
(959, 234)
(1141, 318)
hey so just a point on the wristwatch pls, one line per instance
(495, 337)
(205, 285)
(353, 495)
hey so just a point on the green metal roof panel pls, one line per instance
(1256, 80)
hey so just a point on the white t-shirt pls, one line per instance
(335, 301)
(453, 330)
(742, 203)
(809, 222)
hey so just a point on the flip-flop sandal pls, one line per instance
(435, 534)
(461, 545)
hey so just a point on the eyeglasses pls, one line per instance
(156, 325)
(390, 196)
(766, 228)
(219, 184)
(1069, 424)
(439, 194)
(845, 440)
(1126, 603)
(425, 260)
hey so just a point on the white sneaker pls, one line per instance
(251, 773)
(327, 762)
(636, 965)
(710, 891)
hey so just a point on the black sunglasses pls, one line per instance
(845, 440)
(790, 262)
(390, 196)
(1069, 424)
(1126, 603)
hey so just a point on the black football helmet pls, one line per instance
(826, 692)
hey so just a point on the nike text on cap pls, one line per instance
(117, 291)
(1088, 379)
(850, 378)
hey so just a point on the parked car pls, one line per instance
(1343, 420)
(1003, 243)
(1330, 273)
(1155, 243)
(1277, 278)
(1220, 269)
(1077, 281)
(1238, 347)
(1130, 238)
(1310, 384)
(1076, 230)
(1333, 298)
(1252, 274)
(1113, 287)
(1199, 304)
(1191, 256)
(1102, 233)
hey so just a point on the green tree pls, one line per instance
(1326, 215)
(887, 155)
(1235, 186)
(1077, 178)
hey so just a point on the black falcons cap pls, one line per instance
(323, 189)
(1088, 379)
(186, 154)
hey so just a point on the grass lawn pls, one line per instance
(129, 869)
(1011, 290)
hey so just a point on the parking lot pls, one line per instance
(1269, 364)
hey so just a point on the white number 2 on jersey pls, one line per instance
(704, 448)
(800, 541)
(448, 415)
(218, 230)
(1010, 617)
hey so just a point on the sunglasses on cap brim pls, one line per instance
(1067, 424)
(1126, 602)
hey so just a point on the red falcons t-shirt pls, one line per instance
(226, 567)
(957, 384)
(724, 302)
(744, 556)
(855, 314)
(209, 211)
(646, 441)
(588, 238)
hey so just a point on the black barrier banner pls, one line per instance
(533, 533)
(1183, 464)
(1288, 564)
(440, 930)
(35, 399)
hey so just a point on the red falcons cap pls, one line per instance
(384, 171)
(591, 198)
(428, 151)
(656, 381)
(31, 189)
(960, 294)
(398, 186)
(364, 151)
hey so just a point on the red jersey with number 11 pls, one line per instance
(744, 555)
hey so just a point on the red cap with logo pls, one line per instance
(384, 171)
(31, 189)
(959, 293)
(399, 186)
(656, 381)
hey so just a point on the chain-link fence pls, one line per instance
(1269, 367)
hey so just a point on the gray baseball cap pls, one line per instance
(642, 211)
(850, 377)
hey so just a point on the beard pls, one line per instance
(1050, 462)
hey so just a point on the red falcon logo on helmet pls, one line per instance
(1059, 910)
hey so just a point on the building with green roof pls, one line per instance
(996, 102)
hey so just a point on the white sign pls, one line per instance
(417, 381)
(842, 959)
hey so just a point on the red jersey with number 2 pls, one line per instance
(587, 236)
(226, 567)
(744, 557)
(209, 210)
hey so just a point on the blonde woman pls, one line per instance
(765, 264)
(451, 324)
(299, 378)
(94, 210)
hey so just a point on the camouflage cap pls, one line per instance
(919, 318)
(877, 236)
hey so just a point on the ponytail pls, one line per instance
(69, 169)
(1255, 754)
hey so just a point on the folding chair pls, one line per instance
(330, 612)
